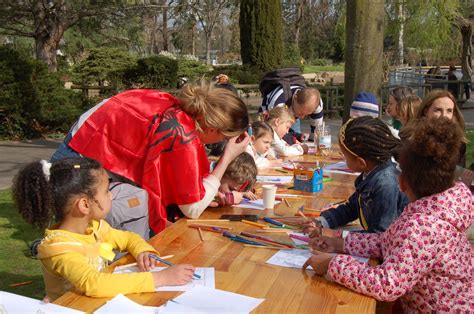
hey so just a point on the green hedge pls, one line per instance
(33, 101)
(154, 72)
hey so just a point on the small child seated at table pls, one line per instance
(260, 143)
(237, 182)
(280, 119)
(367, 144)
(427, 258)
(74, 252)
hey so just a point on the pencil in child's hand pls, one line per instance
(159, 259)
(303, 215)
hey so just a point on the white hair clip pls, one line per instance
(46, 168)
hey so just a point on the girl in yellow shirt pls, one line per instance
(74, 192)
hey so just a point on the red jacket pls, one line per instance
(144, 136)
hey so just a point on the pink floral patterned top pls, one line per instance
(427, 259)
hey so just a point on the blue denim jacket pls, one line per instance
(377, 197)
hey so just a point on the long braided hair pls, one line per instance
(369, 138)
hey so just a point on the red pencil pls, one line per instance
(243, 186)
(21, 284)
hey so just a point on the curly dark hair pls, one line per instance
(369, 138)
(242, 169)
(429, 157)
(40, 200)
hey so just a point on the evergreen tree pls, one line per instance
(261, 42)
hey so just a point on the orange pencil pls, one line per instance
(256, 224)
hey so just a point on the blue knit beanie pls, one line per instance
(364, 104)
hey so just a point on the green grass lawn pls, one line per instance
(322, 68)
(16, 265)
(470, 147)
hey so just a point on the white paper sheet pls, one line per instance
(257, 204)
(296, 258)
(339, 167)
(275, 179)
(206, 300)
(207, 278)
(14, 303)
(122, 304)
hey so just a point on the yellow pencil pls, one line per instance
(256, 224)
(191, 221)
(200, 234)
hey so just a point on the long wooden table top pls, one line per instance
(243, 269)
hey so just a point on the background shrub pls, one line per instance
(155, 72)
(33, 101)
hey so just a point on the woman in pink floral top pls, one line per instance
(427, 260)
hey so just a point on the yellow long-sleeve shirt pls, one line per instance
(71, 262)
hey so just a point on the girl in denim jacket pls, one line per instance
(367, 145)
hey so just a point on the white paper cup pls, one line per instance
(269, 193)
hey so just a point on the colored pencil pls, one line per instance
(191, 221)
(213, 229)
(286, 202)
(300, 212)
(210, 226)
(310, 215)
(295, 236)
(243, 186)
(274, 230)
(256, 224)
(200, 234)
(282, 171)
(273, 222)
(266, 243)
(254, 236)
(265, 247)
(24, 283)
(156, 257)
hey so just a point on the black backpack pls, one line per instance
(281, 77)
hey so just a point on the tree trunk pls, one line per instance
(165, 25)
(208, 47)
(193, 40)
(49, 29)
(401, 21)
(364, 50)
(299, 15)
(466, 58)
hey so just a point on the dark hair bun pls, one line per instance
(437, 138)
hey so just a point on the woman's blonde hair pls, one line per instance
(436, 94)
(281, 113)
(214, 107)
(408, 107)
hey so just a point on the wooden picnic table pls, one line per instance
(242, 269)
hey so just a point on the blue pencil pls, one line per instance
(156, 257)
